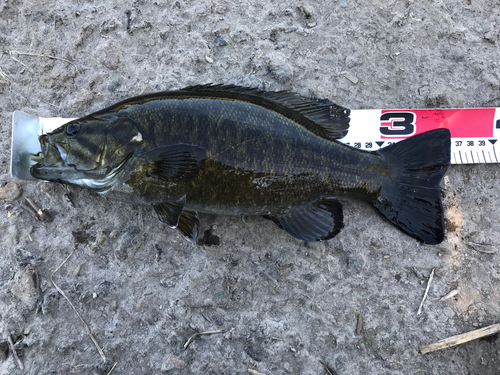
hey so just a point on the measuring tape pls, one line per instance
(474, 131)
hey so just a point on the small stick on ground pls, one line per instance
(220, 306)
(486, 248)
(201, 333)
(11, 344)
(112, 368)
(452, 294)
(5, 77)
(460, 339)
(253, 372)
(40, 55)
(38, 213)
(101, 353)
(359, 325)
(20, 62)
(328, 370)
(426, 291)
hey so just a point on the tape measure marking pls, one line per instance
(474, 131)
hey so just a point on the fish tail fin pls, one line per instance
(411, 199)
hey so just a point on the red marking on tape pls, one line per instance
(462, 123)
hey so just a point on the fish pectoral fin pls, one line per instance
(174, 161)
(315, 221)
(189, 225)
(170, 212)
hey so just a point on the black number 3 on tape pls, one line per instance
(401, 123)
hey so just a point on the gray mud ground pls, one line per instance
(284, 305)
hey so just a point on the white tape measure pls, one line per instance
(474, 131)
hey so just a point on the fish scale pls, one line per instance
(312, 154)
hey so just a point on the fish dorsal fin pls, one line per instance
(178, 161)
(316, 221)
(170, 212)
(320, 116)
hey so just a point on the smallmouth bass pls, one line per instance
(235, 150)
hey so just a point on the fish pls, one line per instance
(231, 150)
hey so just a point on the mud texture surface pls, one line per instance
(284, 305)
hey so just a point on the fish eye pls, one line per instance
(72, 129)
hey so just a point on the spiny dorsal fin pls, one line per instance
(319, 116)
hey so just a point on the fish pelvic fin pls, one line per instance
(170, 212)
(189, 225)
(175, 216)
(316, 221)
(411, 200)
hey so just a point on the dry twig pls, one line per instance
(460, 339)
(359, 325)
(101, 353)
(41, 214)
(20, 62)
(486, 248)
(451, 294)
(219, 306)
(5, 77)
(11, 344)
(112, 368)
(201, 333)
(253, 372)
(328, 370)
(39, 55)
(426, 291)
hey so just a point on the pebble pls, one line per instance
(113, 85)
(492, 36)
(351, 77)
(306, 10)
(10, 192)
(109, 25)
(281, 73)
(240, 36)
(27, 288)
(220, 41)
(355, 264)
(25, 258)
(220, 9)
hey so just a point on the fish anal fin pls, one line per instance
(178, 161)
(322, 117)
(315, 221)
(170, 212)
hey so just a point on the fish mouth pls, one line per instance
(52, 155)
(50, 163)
